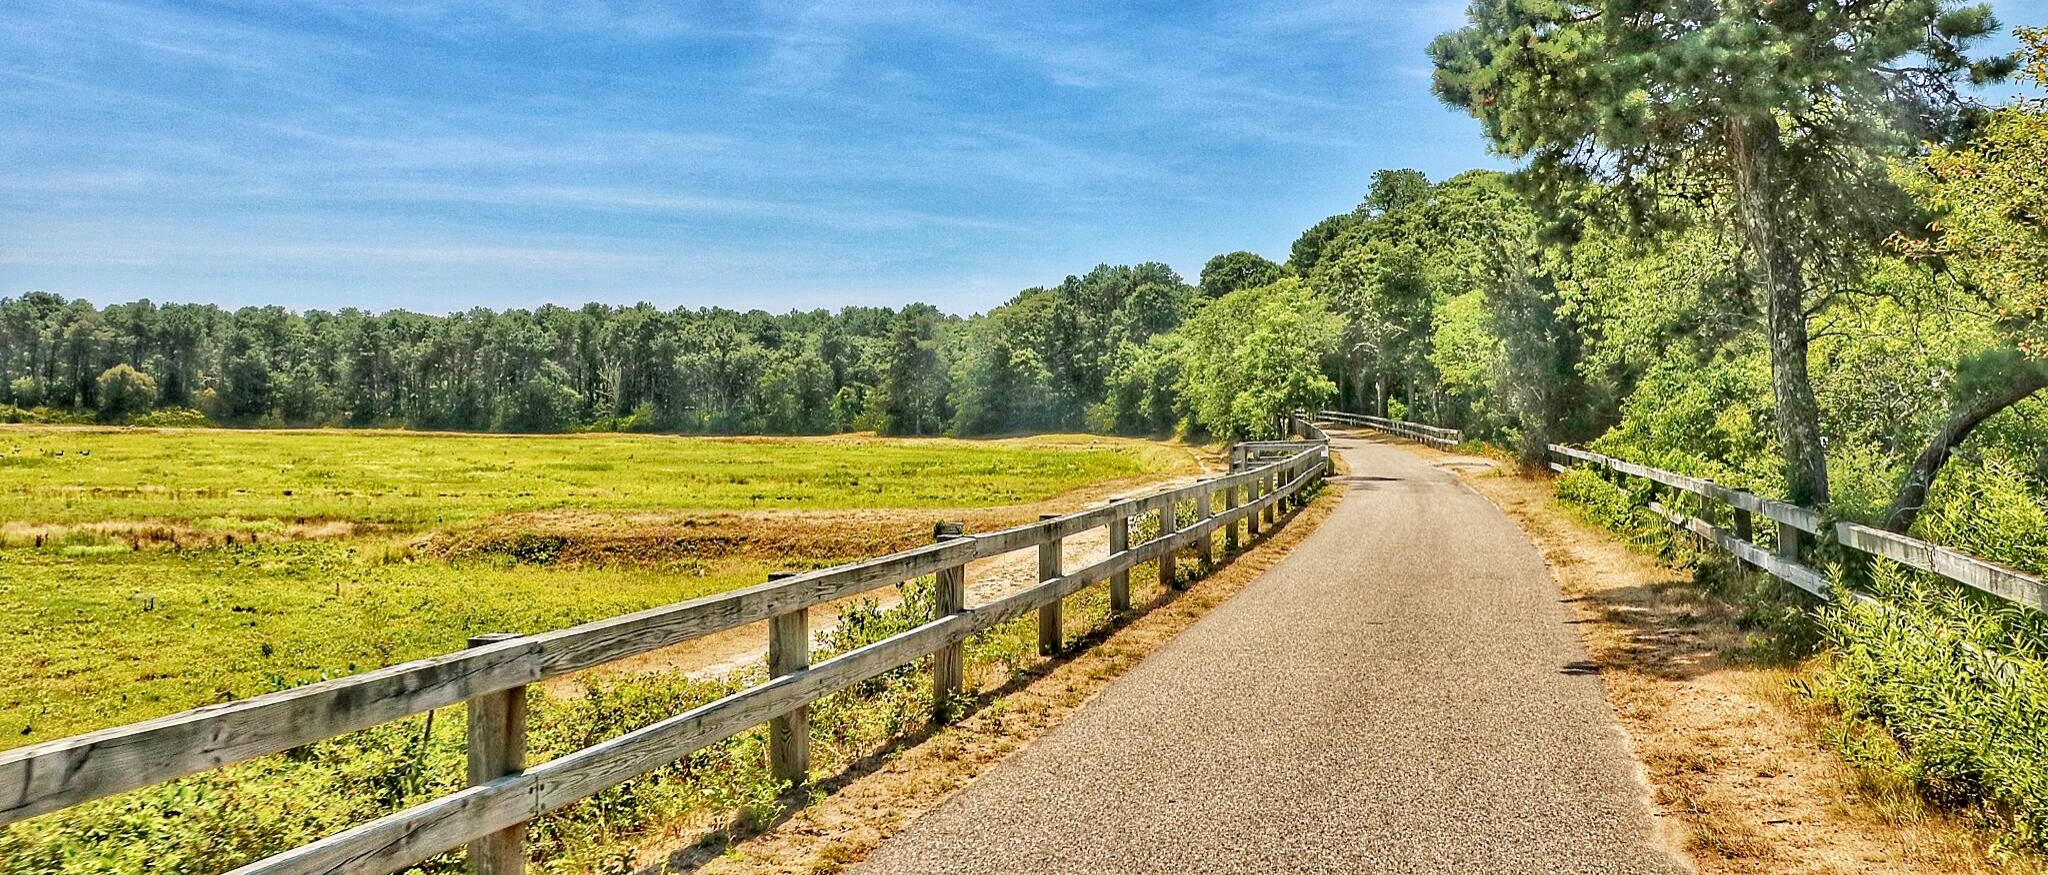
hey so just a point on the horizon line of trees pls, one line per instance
(1107, 350)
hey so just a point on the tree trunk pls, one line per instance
(1753, 150)
(2029, 378)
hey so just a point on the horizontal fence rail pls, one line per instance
(1441, 438)
(490, 815)
(1793, 523)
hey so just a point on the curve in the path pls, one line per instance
(1402, 694)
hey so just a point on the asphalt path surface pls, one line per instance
(1402, 694)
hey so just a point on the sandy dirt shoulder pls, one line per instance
(1735, 757)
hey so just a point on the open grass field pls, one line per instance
(212, 478)
(143, 572)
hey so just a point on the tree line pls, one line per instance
(1101, 350)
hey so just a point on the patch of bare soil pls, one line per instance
(1735, 758)
(733, 649)
(571, 537)
(857, 810)
(846, 535)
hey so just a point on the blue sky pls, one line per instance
(436, 156)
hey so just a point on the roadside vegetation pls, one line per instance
(1936, 699)
(1710, 671)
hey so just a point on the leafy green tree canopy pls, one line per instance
(1231, 271)
(1394, 190)
(124, 392)
(1255, 354)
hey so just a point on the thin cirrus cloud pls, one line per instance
(440, 155)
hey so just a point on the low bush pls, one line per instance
(44, 416)
(1924, 698)
(171, 417)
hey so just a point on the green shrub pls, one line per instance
(1969, 729)
(171, 417)
(44, 416)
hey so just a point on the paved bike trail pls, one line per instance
(1402, 694)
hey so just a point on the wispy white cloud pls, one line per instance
(531, 146)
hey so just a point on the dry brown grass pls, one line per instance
(1735, 758)
(854, 812)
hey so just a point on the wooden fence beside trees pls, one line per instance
(1441, 438)
(491, 677)
(1726, 518)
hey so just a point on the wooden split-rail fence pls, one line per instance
(1726, 518)
(1441, 438)
(491, 677)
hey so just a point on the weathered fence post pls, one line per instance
(1169, 560)
(1744, 526)
(1120, 582)
(497, 747)
(949, 663)
(1254, 491)
(1788, 541)
(1205, 510)
(1050, 619)
(1270, 484)
(1230, 540)
(789, 651)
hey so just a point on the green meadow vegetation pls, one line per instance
(145, 572)
(227, 817)
(111, 635)
(232, 478)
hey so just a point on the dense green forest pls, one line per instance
(1087, 353)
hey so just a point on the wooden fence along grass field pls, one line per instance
(492, 674)
(149, 571)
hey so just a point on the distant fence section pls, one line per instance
(1441, 438)
(491, 678)
(1727, 518)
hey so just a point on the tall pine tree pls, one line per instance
(1784, 111)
